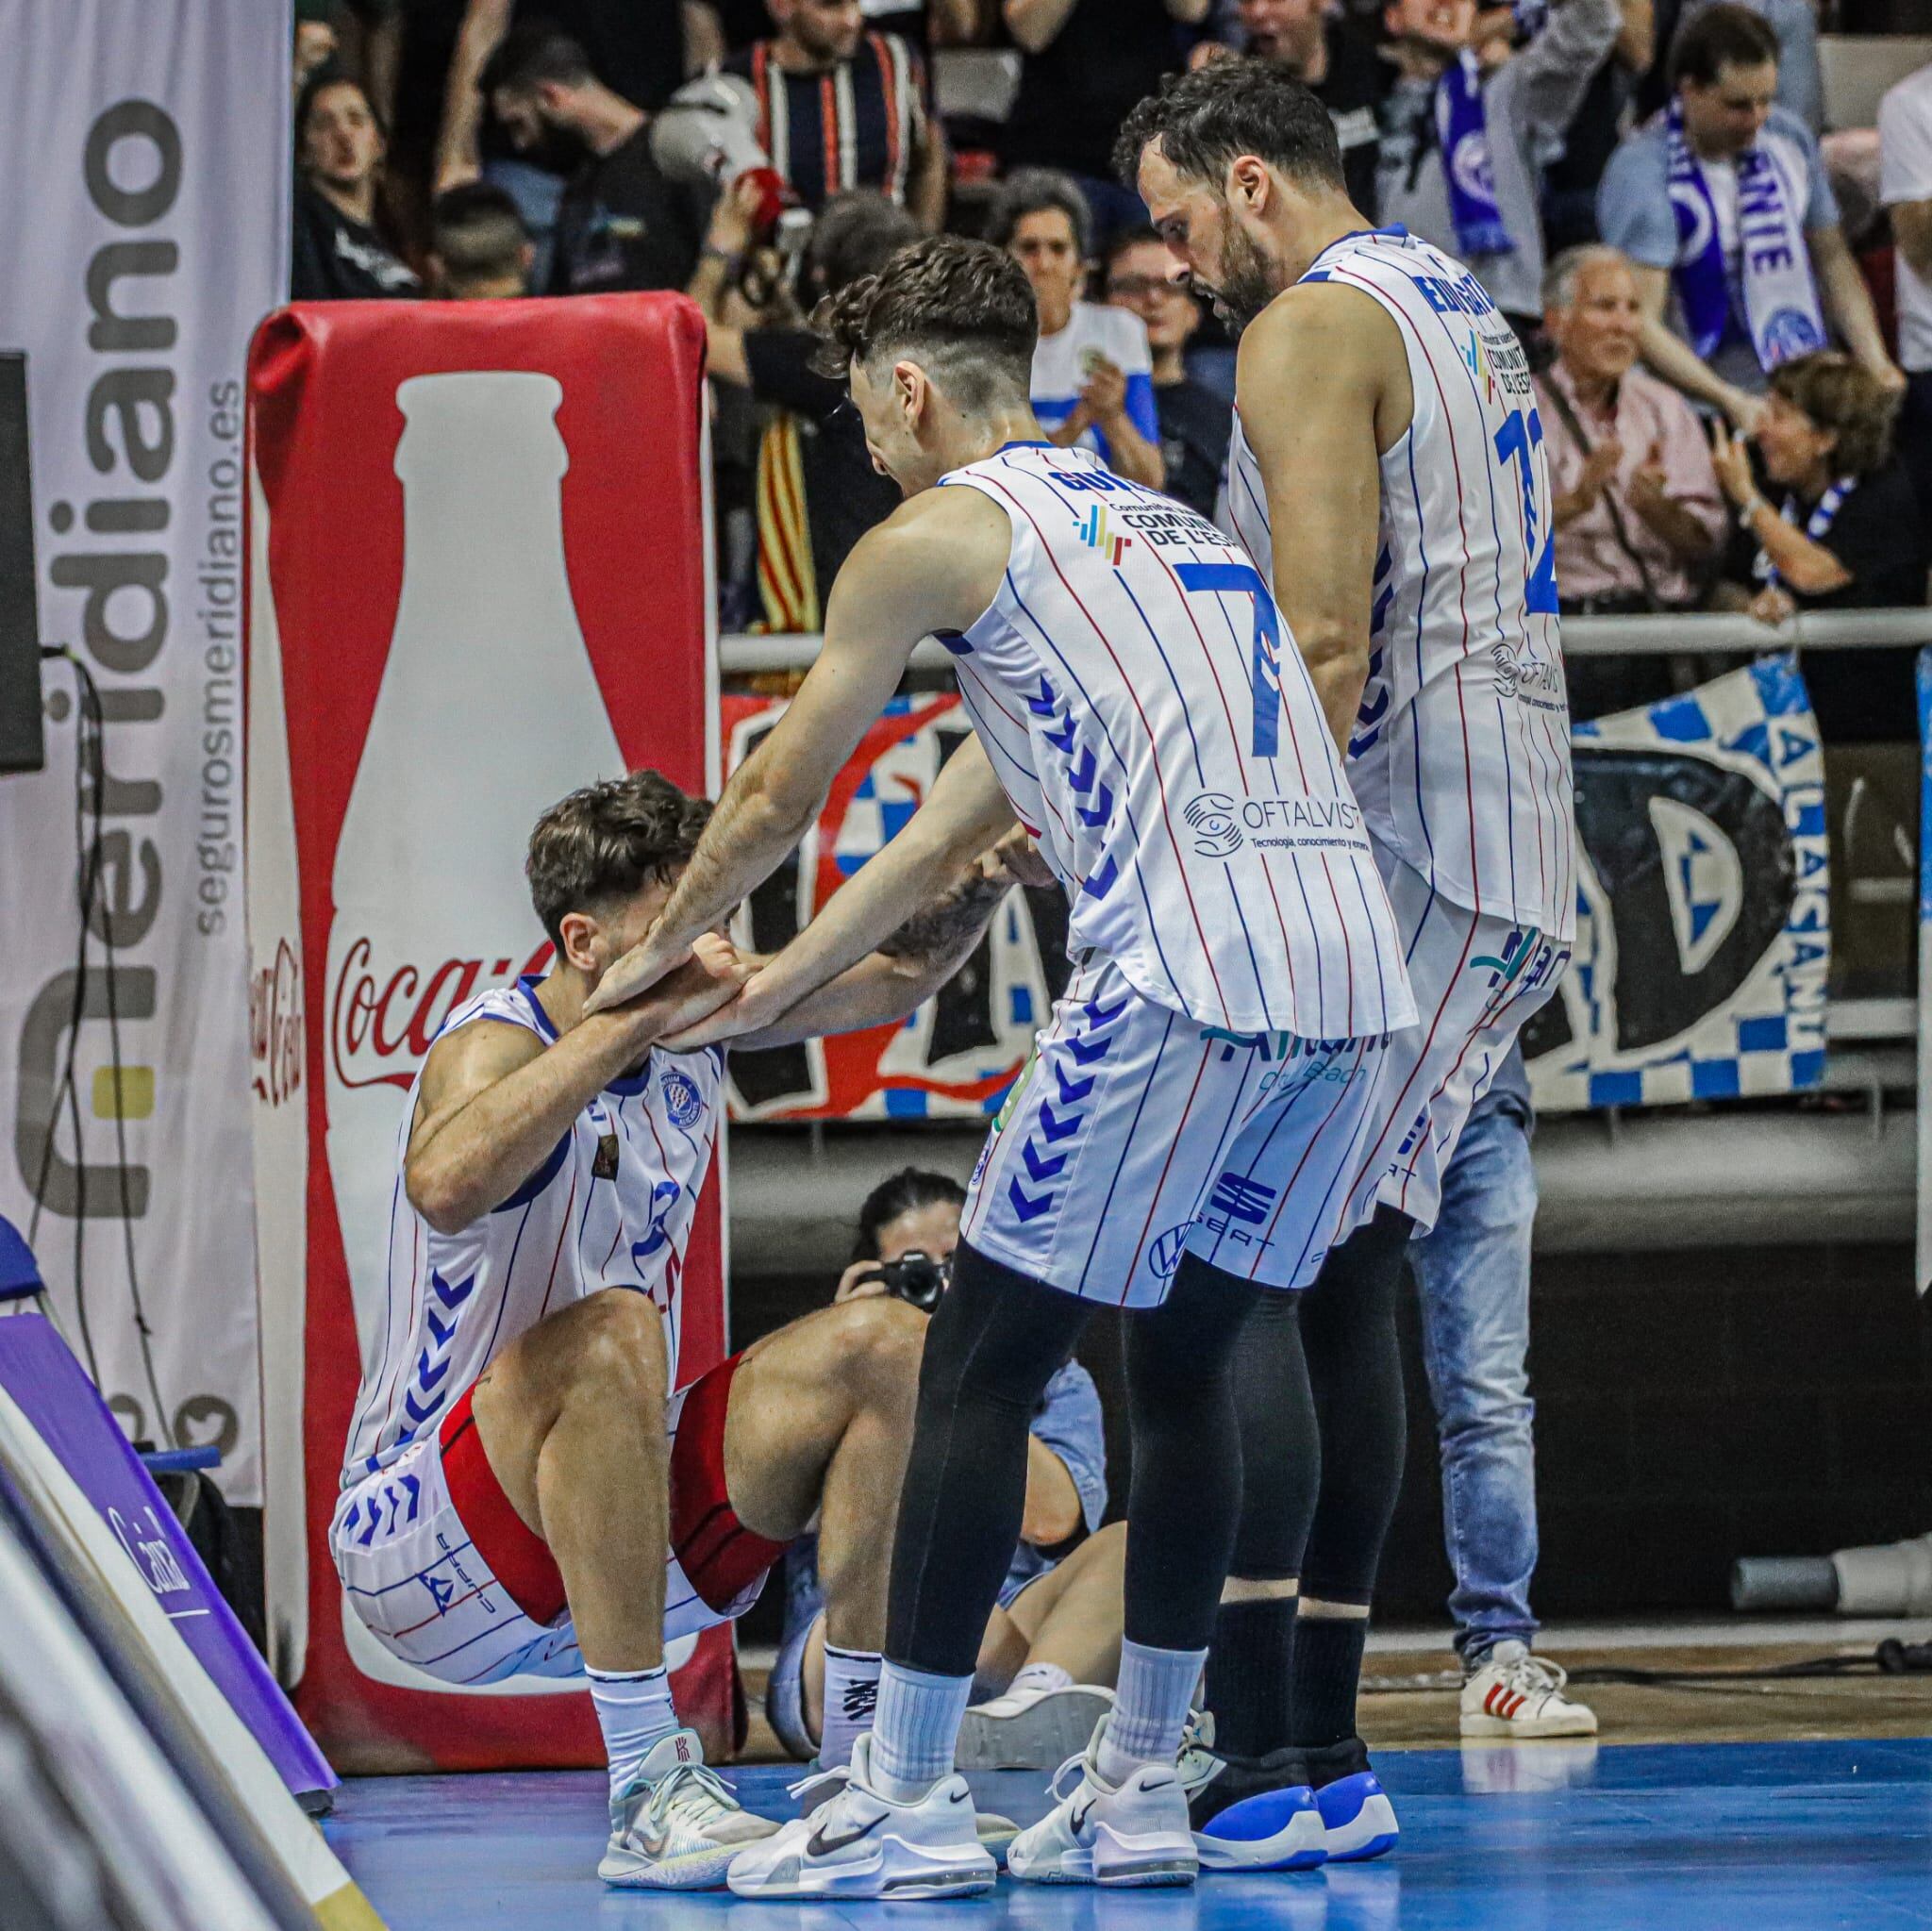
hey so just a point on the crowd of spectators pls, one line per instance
(1735, 392)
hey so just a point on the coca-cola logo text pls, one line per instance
(275, 1027)
(381, 1020)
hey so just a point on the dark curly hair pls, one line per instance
(905, 1192)
(1205, 120)
(608, 841)
(964, 309)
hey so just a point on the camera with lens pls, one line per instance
(917, 1279)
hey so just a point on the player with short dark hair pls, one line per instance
(480, 249)
(522, 1492)
(1198, 1089)
(1387, 475)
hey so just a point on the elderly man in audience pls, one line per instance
(1723, 205)
(1639, 515)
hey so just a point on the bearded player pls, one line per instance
(518, 1466)
(1199, 1087)
(1388, 476)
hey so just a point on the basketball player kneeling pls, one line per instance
(523, 1494)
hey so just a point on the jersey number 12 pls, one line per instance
(1515, 443)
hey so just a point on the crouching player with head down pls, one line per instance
(522, 1492)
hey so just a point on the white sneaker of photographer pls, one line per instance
(1135, 1833)
(676, 1827)
(858, 1843)
(1516, 1694)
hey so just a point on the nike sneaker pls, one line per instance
(1133, 1832)
(1517, 1694)
(676, 1827)
(1031, 1729)
(858, 1843)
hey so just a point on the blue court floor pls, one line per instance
(1733, 1836)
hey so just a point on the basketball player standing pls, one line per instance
(1388, 476)
(1201, 1086)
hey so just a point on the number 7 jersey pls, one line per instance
(1159, 735)
(1460, 755)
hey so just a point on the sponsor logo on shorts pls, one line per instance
(1164, 1252)
(1236, 1207)
(681, 1099)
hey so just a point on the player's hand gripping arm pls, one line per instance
(888, 908)
(495, 1099)
(934, 564)
(892, 981)
(1322, 386)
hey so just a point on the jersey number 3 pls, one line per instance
(1515, 443)
(1264, 674)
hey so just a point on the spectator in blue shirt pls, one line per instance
(1052, 1645)
(1723, 205)
(1093, 371)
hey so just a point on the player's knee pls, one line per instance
(880, 1342)
(621, 1354)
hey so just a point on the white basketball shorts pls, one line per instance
(447, 1577)
(1477, 979)
(1135, 1134)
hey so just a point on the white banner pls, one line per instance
(144, 149)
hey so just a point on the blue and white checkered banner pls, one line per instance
(1704, 922)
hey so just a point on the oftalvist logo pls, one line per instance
(383, 1015)
(1216, 833)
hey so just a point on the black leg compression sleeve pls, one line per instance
(995, 1341)
(1354, 1368)
(1185, 1494)
(1281, 1447)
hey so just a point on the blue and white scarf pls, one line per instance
(1463, 127)
(1819, 522)
(1781, 297)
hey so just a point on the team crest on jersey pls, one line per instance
(681, 1098)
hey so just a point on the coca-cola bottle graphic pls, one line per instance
(488, 712)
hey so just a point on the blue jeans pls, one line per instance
(1472, 1273)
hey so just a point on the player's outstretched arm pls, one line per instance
(495, 1099)
(1322, 388)
(934, 564)
(911, 964)
(965, 813)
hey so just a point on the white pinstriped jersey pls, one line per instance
(1460, 755)
(610, 1206)
(1161, 741)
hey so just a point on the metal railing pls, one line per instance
(1694, 631)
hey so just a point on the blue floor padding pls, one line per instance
(1736, 1837)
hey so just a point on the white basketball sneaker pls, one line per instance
(676, 1827)
(859, 1843)
(1517, 1694)
(1132, 1834)
(1032, 1729)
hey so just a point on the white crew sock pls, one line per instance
(1150, 1709)
(634, 1711)
(917, 1728)
(852, 1695)
(1039, 1677)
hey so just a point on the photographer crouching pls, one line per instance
(1052, 1644)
